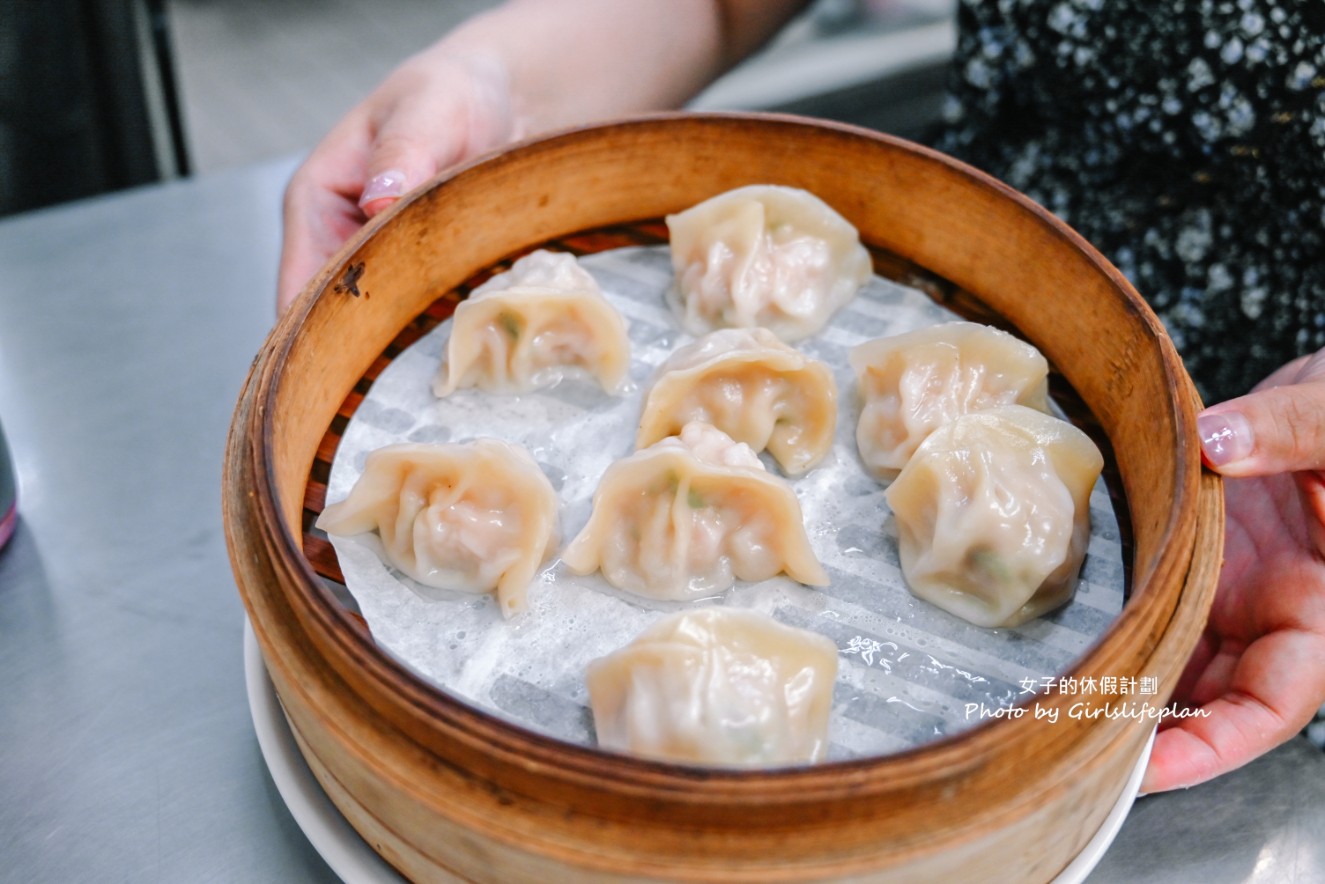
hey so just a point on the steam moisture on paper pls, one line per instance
(907, 669)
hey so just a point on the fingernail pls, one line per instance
(1225, 437)
(388, 184)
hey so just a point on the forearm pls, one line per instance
(572, 61)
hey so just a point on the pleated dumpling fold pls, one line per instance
(764, 255)
(690, 515)
(717, 685)
(529, 327)
(754, 388)
(993, 514)
(476, 517)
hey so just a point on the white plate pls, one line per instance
(332, 836)
(1093, 852)
(352, 859)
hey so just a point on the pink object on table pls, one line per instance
(7, 523)
(8, 493)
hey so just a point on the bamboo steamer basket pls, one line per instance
(444, 791)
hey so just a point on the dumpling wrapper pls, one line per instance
(753, 387)
(912, 383)
(475, 517)
(993, 514)
(530, 326)
(764, 255)
(690, 515)
(719, 686)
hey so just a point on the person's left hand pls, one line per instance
(1258, 674)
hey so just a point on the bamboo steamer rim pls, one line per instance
(1147, 612)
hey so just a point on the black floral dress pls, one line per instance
(1184, 138)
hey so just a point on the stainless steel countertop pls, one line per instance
(127, 752)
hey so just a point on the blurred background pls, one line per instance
(97, 95)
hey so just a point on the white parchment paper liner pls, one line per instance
(909, 672)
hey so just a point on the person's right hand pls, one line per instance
(523, 67)
(438, 108)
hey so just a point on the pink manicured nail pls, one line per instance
(386, 185)
(1225, 437)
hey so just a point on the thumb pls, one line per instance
(1277, 428)
(443, 108)
(409, 147)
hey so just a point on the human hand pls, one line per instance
(523, 67)
(1258, 672)
(438, 108)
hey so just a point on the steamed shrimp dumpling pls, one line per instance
(532, 325)
(475, 517)
(911, 384)
(754, 388)
(690, 515)
(764, 255)
(993, 514)
(717, 685)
